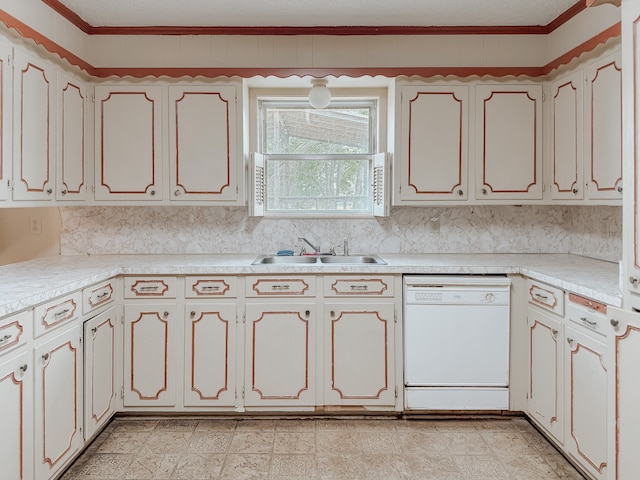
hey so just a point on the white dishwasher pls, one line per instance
(456, 342)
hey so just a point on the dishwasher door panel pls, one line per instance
(456, 345)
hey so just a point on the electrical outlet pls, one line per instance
(35, 225)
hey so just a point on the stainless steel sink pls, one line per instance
(319, 260)
(284, 260)
(352, 260)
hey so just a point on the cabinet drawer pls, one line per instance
(57, 312)
(150, 287)
(203, 287)
(15, 331)
(359, 286)
(98, 295)
(588, 313)
(545, 296)
(281, 286)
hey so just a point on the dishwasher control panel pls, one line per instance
(467, 295)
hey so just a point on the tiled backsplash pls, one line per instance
(591, 231)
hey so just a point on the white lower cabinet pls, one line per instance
(57, 401)
(150, 344)
(359, 354)
(16, 397)
(209, 354)
(102, 349)
(280, 354)
(545, 395)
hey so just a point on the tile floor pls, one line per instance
(320, 449)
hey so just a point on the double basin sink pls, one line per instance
(319, 260)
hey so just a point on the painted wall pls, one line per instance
(27, 233)
(591, 231)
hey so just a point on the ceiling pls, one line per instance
(314, 13)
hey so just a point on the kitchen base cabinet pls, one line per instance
(101, 354)
(359, 354)
(16, 397)
(545, 396)
(209, 355)
(58, 402)
(280, 355)
(150, 345)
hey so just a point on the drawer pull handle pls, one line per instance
(360, 288)
(211, 287)
(5, 339)
(541, 296)
(614, 322)
(280, 287)
(23, 368)
(61, 313)
(102, 295)
(154, 287)
(45, 357)
(589, 322)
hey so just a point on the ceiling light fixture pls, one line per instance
(319, 95)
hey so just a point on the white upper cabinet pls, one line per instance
(33, 131)
(603, 130)
(128, 142)
(5, 120)
(434, 143)
(509, 142)
(71, 139)
(202, 143)
(566, 172)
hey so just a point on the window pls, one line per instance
(316, 162)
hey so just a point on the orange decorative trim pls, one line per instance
(65, 315)
(333, 359)
(103, 297)
(64, 91)
(554, 337)
(253, 359)
(134, 288)
(220, 291)
(89, 29)
(20, 329)
(536, 299)
(99, 72)
(94, 361)
(166, 348)
(224, 388)
(460, 146)
(228, 180)
(19, 383)
(284, 287)
(585, 302)
(357, 291)
(555, 122)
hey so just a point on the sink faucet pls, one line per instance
(315, 249)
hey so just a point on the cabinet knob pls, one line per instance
(165, 314)
(63, 192)
(193, 313)
(152, 193)
(177, 193)
(484, 191)
(634, 280)
(614, 322)
(569, 341)
(460, 192)
(49, 191)
(619, 189)
(332, 313)
(23, 368)
(307, 313)
(45, 357)
(94, 330)
(575, 191)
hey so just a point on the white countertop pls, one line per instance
(25, 284)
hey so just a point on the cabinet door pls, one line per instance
(202, 143)
(509, 142)
(359, 354)
(624, 391)
(586, 401)
(128, 142)
(150, 355)
(33, 129)
(16, 397)
(567, 138)
(101, 351)
(604, 129)
(280, 354)
(70, 157)
(210, 340)
(6, 94)
(435, 130)
(58, 402)
(546, 372)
